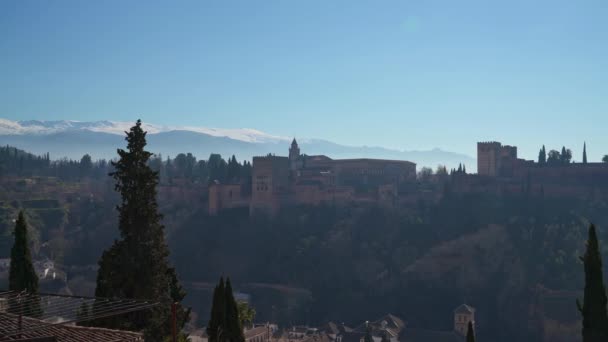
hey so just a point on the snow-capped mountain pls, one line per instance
(8, 127)
(100, 139)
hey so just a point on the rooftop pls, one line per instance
(34, 328)
(464, 309)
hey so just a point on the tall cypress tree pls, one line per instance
(136, 266)
(470, 333)
(234, 329)
(542, 156)
(22, 275)
(368, 334)
(563, 155)
(593, 309)
(217, 323)
(585, 153)
(225, 323)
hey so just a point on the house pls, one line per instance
(261, 333)
(386, 328)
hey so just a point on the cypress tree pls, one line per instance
(542, 156)
(225, 323)
(585, 153)
(368, 335)
(234, 329)
(22, 275)
(470, 333)
(136, 266)
(217, 323)
(593, 309)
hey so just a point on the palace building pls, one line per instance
(301, 179)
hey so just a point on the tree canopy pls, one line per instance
(22, 275)
(593, 309)
(136, 266)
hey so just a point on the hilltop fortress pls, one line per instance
(300, 179)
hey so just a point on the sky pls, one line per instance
(399, 74)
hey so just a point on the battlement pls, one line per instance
(495, 159)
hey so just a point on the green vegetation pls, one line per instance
(225, 323)
(136, 266)
(340, 263)
(246, 313)
(593, 309)
(554, 157)
(22, 276)
(470, 333)
(542, 156)
(368, 335)
(585, 153)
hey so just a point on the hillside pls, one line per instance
(513, 257)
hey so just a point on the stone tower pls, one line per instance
(462, 316)
(294, 155)
(488, 158)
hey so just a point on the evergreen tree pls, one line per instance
(217, 323)
(470, 333)
(585, 153)
(86, 165)
(542, 156)
(136, 266)
(459, 168)
(464, 169)
(565, 156)
(234, 329)
(593, 309)
(233, 169)
(225, 323)
(368, 334)
(22, 275)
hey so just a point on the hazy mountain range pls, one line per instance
(100, 139)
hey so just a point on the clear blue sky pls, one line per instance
(404, 74)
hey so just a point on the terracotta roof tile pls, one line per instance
(33, 328)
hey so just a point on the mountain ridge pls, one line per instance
(100, 139)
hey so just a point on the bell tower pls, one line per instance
(294, 155)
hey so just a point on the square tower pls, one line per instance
(270, 180)
(488, 158)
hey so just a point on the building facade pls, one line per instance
(495, 159)
(312, 180)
